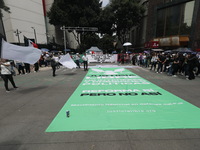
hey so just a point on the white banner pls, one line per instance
(110, 58)
(66, 61)
(20, 53)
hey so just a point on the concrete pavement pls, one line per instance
(27, 112)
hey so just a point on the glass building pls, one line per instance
(174, 23)
(175, 20)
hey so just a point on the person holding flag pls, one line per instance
(25, 54)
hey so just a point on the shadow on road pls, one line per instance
(70, 74)
(8, 145)
(32, 89)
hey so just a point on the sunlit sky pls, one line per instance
(105, 2)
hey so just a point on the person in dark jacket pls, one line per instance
(192, 63)
(53, 65)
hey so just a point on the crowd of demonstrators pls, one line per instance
(124, 58)
(185, 64)
(7, 67)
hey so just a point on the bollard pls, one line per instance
(68, 113)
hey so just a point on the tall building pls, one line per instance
(26, 19)
(29, 18)
(174, 23)
(138, 33)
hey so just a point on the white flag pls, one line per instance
(24, 54)
(66, 61)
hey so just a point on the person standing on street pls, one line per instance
(161, 62)
(36, 66)
(27, 68)
(53, 65)
(6, 74)
(77, 60)
(85, 62)
(20, 67)
(192, 63)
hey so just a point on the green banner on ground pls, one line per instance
(117, 99)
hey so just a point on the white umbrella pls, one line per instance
(127, 44)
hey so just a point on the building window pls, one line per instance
(160, 23)
(175, 20)
(186, 18)
(172, 20)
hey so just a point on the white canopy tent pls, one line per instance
(93, 49)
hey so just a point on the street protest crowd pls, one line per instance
(186, 64)
(173, 64)
(10, 68)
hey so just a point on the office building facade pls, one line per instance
(174, 23)
(29, 18)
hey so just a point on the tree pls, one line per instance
(106, 43)
(88, 40)
(4, 7)
(106, 21)
(122, 16)
(76, 13)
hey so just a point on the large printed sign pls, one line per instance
(117, 99)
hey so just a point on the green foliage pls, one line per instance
(88, 40)
(122, 15)
(76, 13)
(4, 7)
(106, 21)
(106, 43)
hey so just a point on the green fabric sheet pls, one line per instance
(117, 99)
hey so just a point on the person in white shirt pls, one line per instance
(85, 62)
(6, 74)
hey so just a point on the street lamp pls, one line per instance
(17, 32)
(64, 36)
(35, 35)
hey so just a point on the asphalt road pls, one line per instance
(27, 112)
